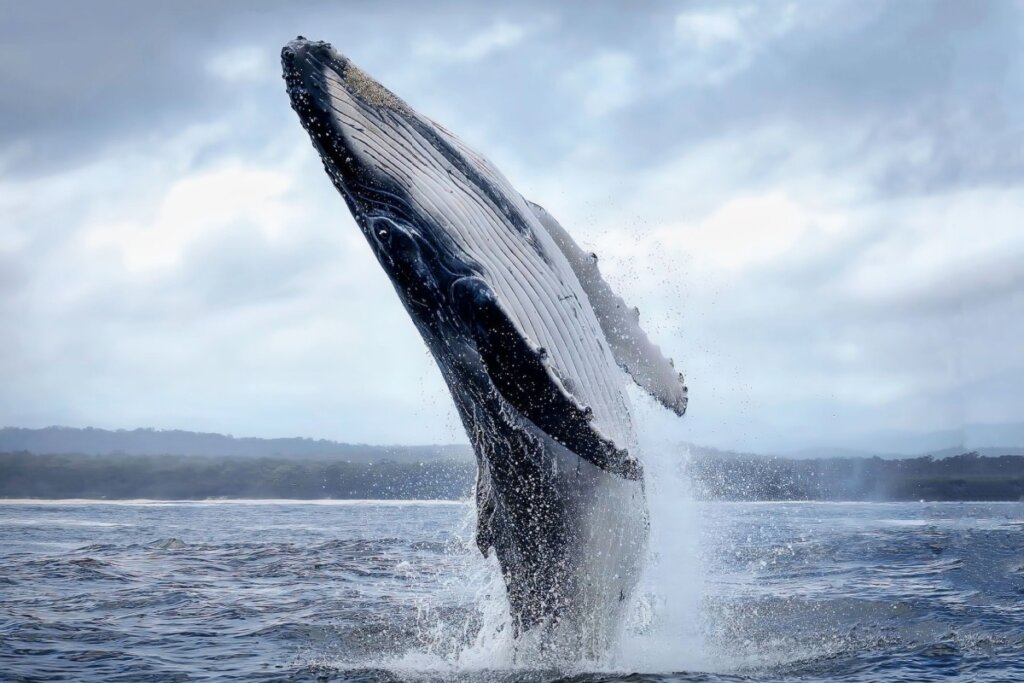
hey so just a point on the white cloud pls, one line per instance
(745, 231)
(604, 83)
(195, 207)
(813, 309)
(941, 249)
(245, 63)
(233, 295)
(711, 28)
(718, 44)
(499, 36)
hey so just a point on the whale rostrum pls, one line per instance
(529, 338)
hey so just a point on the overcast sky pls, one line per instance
(818, 209)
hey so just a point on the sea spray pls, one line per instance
(666, 624)
(665, 631)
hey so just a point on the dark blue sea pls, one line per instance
(370, 591)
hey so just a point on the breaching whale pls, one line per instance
(531, 342)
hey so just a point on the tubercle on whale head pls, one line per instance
(319, 80)
(354, 79)
(375, 147)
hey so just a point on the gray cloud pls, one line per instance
(77, 76)
(861, 77)
(812, 204)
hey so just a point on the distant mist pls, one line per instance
(968, 476)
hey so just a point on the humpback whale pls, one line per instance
(529, 338)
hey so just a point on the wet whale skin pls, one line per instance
(532, 343)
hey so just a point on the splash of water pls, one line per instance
(664, 629)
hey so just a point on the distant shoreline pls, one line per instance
(728, 477)
(401, 502)
(156, 502)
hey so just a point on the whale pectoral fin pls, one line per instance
(633, 351)
(522, 376)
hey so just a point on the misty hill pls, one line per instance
(92, 441)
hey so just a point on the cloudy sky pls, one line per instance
(818, 209)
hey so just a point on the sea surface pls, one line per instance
(373, 591)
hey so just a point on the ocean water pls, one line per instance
(371, 591)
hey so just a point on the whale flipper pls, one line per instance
(633, 351)
(522, 375)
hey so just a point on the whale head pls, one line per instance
(395, 170)
(495, 286)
